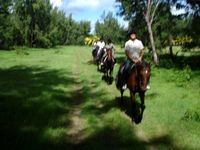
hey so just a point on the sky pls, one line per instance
(88, 10)
(92, 10)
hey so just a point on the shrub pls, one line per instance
(181, 77)
(192, 114)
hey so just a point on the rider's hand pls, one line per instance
(136, 61)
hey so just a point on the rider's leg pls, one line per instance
(125, 73)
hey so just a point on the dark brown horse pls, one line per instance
(108, 64)
(137, 83)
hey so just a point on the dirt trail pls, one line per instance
(74, 133)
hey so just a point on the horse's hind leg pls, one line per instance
(121, 100)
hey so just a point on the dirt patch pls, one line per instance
(75, 132)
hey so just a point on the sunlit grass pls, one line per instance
(43, 91)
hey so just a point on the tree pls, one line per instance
(109, 27)
(193, 28)
(34, 17)
(145, 8)
(6, 25)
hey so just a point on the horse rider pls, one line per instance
(109, 45)
(134, 50)
(101, 45)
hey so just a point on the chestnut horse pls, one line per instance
(137, 82)
(108, 64)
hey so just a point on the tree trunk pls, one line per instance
(155, 56)
(170, 47)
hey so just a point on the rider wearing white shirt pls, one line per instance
(101, 45)
(134, 51)
(134, 48)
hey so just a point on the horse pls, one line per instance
(137, 82)
(94, 53)
(108, 64)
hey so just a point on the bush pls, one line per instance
(192, 114)
(181, 77)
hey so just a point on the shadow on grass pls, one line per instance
(179, 62)
(30, 104)
(135, 115)
(108, 80)
(35, 105)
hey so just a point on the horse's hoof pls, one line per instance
(143, 107)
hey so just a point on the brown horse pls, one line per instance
(138, 79)
(108, 65)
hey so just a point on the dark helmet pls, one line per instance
(109, 41)
(131, 31)
(101, 39)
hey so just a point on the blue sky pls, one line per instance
(88, 10)
(92, 10)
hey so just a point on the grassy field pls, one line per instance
(55, 99)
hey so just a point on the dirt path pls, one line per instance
(74, 133)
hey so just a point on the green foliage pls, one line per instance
(181, 78)
(109, 27)
(6, 24)
(192, 114)
(37, 24)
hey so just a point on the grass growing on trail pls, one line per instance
(55, 99)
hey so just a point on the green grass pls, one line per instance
(55, 99)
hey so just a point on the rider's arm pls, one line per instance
(141, 54)
(141, 50)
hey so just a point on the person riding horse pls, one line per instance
(134, 74)
(134, 51)
(109, 45)
(100, 52)
(97, 50)
(108, 61)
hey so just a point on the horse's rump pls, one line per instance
(95, 51)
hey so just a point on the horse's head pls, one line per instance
(144, 71)
(109, 53)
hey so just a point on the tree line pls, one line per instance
(36, 23)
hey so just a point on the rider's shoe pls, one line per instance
(124, 87)
(148, 87)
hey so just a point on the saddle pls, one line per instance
(124, 74)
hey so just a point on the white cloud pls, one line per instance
(56, 3)
(79, 4)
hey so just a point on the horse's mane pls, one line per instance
(144, 64)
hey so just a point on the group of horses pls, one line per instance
(137, 80)
(105, 62)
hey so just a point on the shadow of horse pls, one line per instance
(108, 80)
(136, 114)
